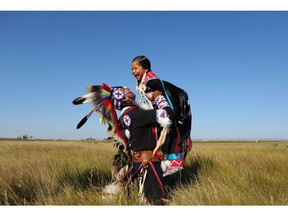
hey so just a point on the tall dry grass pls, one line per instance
(234, 173)
(72, 173)
(53, 172)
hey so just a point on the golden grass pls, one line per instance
(236, 173)
(72, 172)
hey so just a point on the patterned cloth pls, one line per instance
(176, 165)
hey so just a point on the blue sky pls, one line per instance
(233, 64)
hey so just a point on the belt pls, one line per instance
(145, 156)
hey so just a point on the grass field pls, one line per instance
(72, 173)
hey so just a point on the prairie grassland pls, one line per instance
(235, 173)
(72, 173)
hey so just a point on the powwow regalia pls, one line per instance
(135, 137)
(178, 140)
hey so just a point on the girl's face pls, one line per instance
(138, 71)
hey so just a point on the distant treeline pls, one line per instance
(31, 138)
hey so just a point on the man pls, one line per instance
(138, 125)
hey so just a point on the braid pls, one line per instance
(143, 61)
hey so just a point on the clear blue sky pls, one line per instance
(233, 64)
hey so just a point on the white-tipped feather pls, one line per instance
(164, 122)
(86, 117)
(102, 122)
(165, 164)
(146, 106)
(90, 112)
(88, 97)
(127, 134)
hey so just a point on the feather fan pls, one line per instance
(100, 98)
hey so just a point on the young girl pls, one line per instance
(148, 82)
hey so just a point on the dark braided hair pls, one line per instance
(143, 61)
